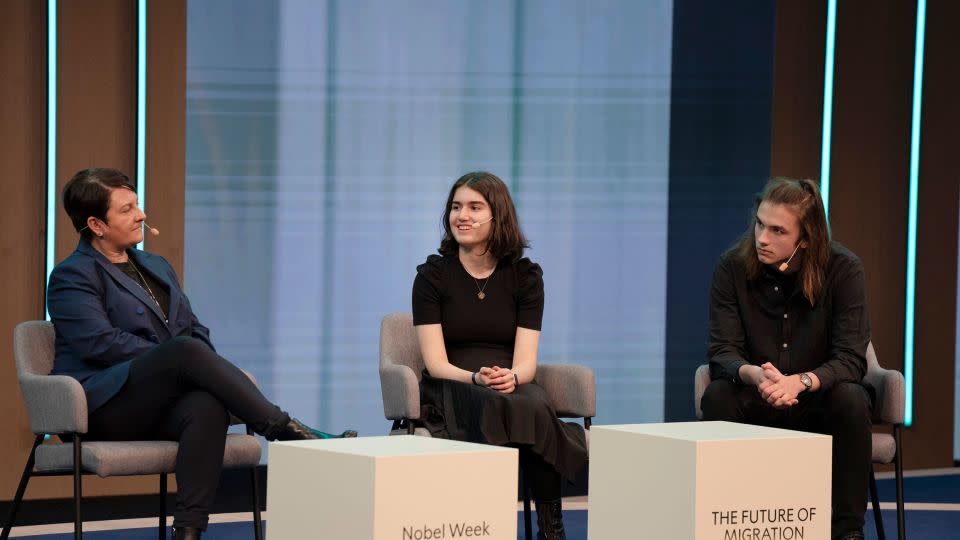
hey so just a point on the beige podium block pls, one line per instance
(391, 488)
(707, 481)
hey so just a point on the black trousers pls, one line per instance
(183, 391)
(842, 412)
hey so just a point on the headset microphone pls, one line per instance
(784, 265)
(154, 232)
(479, 223)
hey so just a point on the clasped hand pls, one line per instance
(778, 389)
(497, 378)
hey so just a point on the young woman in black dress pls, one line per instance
(477, 309)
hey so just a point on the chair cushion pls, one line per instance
(884, 448)
(126, 458)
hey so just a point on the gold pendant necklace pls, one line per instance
(480, 294)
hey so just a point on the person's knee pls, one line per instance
(187, 346)
(849, 401)
(719, 401)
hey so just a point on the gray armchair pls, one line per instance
(56, 404)
(888, 410)
(570, 388)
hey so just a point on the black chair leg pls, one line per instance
(163, 506)
(898, 466)
(257, 521)
(15, 505)
(527, 524)
(77, 488)
(875, 499)
(255, 486)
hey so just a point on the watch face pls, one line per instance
(806, 380)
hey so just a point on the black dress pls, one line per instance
(481, 333)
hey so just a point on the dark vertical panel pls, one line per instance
(870, 155)
(166, 127)
(719, 157)
(23, 153)
(96, 83)
(798, 89)
(930, 440)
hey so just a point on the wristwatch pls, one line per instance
(806, 380)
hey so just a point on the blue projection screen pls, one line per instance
(322, 138)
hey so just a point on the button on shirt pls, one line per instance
(769, 319)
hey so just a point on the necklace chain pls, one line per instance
(146, 287)
(480, 290)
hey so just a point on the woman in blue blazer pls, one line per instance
(126, 331)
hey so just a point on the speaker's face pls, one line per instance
(470, 218)
(776, 232)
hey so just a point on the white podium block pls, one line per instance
(391, 488)
(708, 480)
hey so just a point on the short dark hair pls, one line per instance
(803, 197)
(506, 238)
(87, 195)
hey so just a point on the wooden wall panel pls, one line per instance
(937, 227)
(797, 74)
(96, 127)
(873, 87)
(23, 153)
(96, 95)
(166, 127)
(870, 155)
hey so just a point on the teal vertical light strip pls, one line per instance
(142, 105)
(827, 105)
(908, 333)
(51, 137)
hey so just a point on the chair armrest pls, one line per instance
(401, 392)
(571, 389)
(890, 394)
(700, 383)
(55, 403)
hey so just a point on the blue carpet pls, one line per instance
(923, 489)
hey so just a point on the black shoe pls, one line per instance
(295, 430)
(186, 533)
(550, 521)
(853, 535)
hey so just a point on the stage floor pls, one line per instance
(932, 505)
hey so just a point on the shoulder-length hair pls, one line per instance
(506, 238)
(803, 198)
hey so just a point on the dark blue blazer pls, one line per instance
(104, 319)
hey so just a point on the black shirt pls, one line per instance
(151, 285)
(478, 333)
(770, 320)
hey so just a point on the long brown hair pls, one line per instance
(803, 197)
(506, 238)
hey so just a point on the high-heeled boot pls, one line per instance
(550, 521)
(295, 430)
(186, 533)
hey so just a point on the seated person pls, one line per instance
(477, 309)
(788, 339)
(126, 331)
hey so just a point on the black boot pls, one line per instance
(186, 533)
(295, 430)
(550, 521)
